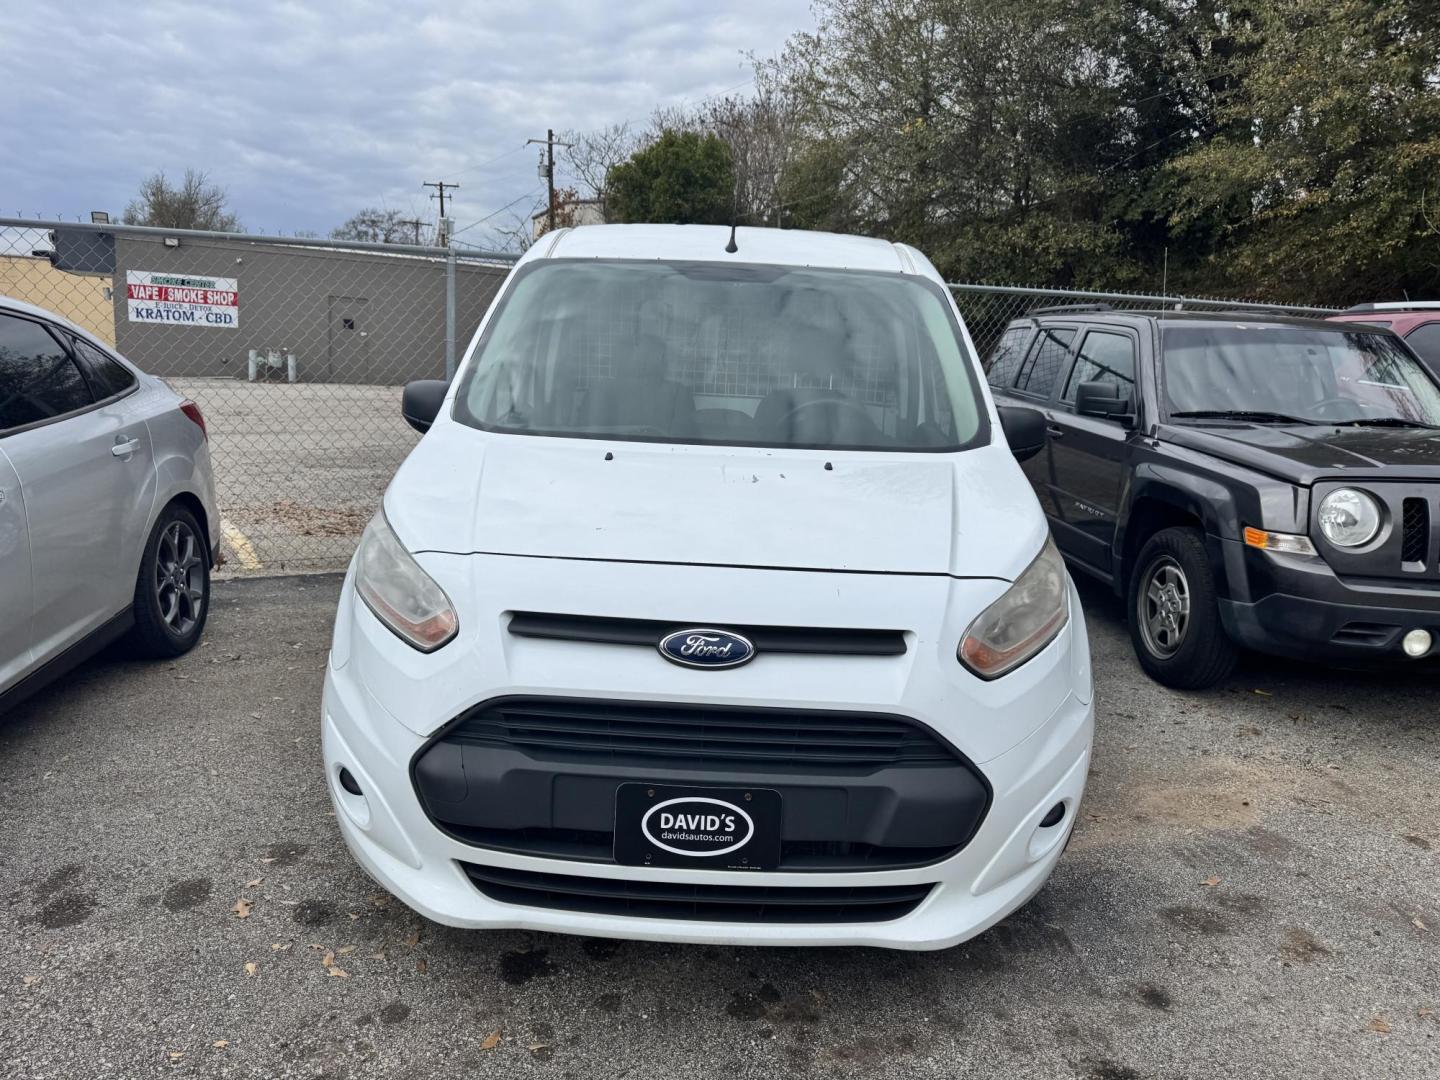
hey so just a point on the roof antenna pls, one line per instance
(730, 248)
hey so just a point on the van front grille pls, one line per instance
(705, 735)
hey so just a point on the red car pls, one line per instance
(1415, 321)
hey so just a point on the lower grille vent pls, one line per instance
(706, 903)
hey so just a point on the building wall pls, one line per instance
(82, 298)
(347, 316)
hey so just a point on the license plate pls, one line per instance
(698, 828)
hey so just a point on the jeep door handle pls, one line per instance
(1054, 432)
(126, 448)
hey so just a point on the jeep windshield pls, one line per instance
(740, 355)
(1277, 374)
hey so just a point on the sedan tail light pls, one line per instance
(190, 409)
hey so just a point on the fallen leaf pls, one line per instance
(376, 956)
(1379, 1025)
(338, 973)
(346, 951)
(328, 959)
(256, 715)
(176, 1055)
(1419, 925)
(491, 1041)
(267, 861)
(281, 946)
(220, 1044)
(423, 966)
(252, 968)
(1262, 693)
(31, 980)
(1422, 1012)
(353, 915)
(1211, 882)
(413, 939)
(242, 907)
(255, 884)
(535, 1048)
(319, 947)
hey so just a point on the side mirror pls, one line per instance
(421, 402)
(1102, 399)
(1024, 430)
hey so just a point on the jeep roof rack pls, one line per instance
(1073, 309)
(1396, 305)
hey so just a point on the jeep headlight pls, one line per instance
(1349, 517)
(398, 592)
(1022, 622)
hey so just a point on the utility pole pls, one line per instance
(547, 170)
(416, 224)
(442, 233)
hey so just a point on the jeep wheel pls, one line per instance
(1174, 616)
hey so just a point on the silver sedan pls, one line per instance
(108, 524)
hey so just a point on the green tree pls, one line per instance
(195, 203)
(683, 177)
(1325, 166)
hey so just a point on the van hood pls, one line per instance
(465, 491)
(1305, 454)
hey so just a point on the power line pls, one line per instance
(490, 161)
(529, 194)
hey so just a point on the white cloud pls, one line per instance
(305, 114)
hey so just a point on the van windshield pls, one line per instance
(1309, 375)
(726, 354)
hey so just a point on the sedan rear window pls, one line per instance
(726, 354)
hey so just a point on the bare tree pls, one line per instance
(195, 203)
(375, 226)
(592, 154)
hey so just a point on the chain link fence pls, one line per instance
(296, 350)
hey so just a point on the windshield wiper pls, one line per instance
(1258, 416)
(1382, 421)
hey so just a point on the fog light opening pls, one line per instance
(1054, 817)
(1416, 643)
(350, 797)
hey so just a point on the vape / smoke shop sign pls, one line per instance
(182, 299)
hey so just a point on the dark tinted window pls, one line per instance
(38, 379)
(1047, 357)
(1004, 360)
(107, 375)
(1104, 357)
(1425, 340)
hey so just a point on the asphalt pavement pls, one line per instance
(1253, 891)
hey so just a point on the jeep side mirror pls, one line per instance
(1024, 430)
(421, 402)
(1103, 399)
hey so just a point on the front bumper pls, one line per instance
(1006, 861)
(1299, 607)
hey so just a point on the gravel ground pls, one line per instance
(1252, 892)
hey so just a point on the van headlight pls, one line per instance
(1349, 517)
(1022, 622)
(398, 592)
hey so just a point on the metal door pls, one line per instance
(348, 341)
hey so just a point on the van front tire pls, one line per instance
(1174, 614)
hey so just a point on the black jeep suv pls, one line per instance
(1243, 480)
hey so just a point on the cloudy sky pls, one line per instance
(308, 112)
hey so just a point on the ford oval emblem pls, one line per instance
(706, 648)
